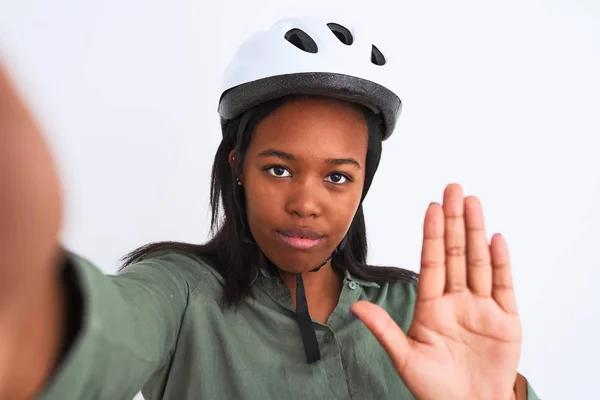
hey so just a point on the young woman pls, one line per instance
(280, 303)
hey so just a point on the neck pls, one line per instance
(322, 290)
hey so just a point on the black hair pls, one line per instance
(236, 259)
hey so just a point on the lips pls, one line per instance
(303, 233)
(300, 238)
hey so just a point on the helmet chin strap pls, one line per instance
(243, 125)
(305, 322)
(307, 331)
(339, 248)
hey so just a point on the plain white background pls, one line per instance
(499, 96)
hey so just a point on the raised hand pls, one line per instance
(465, 338)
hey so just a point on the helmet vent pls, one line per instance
(342, 33)
(301, 40)
(377, 57)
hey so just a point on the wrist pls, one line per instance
(520, 388)
(31, 331)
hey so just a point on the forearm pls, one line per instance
(31, 329)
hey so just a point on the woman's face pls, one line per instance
(303, 175)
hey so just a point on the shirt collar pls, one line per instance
(262, 272)
(361, 282)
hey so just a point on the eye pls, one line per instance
(337, 178)
(278, 171)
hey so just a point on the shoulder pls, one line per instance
(397, 296)
(400, 290)
(184, 267)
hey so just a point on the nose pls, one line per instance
(305, 198)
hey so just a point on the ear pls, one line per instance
(231, 159)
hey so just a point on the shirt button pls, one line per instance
(328, 337)
(352, 285)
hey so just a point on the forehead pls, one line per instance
(314, 125)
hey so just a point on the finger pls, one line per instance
(388, 333)
(454, 238)
(479, 268)
(432, 275)
(502, 287)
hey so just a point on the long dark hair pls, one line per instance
(237, 259)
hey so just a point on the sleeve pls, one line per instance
(126, 326)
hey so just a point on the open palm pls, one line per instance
(465, 338)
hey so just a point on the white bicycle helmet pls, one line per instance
(314, 57)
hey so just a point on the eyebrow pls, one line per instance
(290, 157)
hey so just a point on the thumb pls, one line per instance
(388, 333)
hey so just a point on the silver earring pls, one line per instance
(239, 182)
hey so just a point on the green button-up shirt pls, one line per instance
(159, 326)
